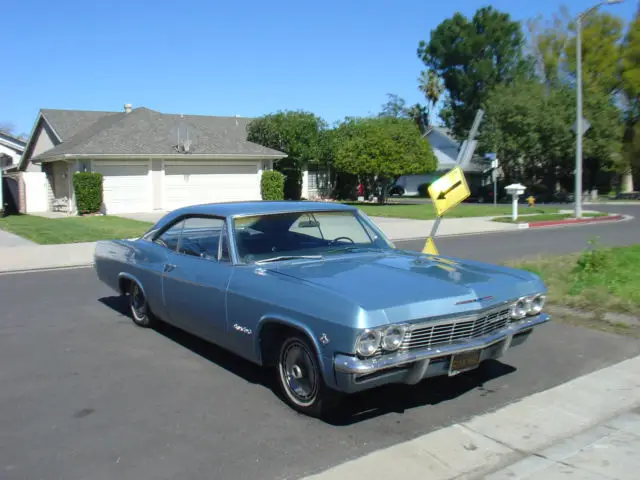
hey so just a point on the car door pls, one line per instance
(195, 279)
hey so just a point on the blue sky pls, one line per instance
(247, 58)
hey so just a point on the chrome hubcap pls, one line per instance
(137, 301)
(296, 372)
(299, 372)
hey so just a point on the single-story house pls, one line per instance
(150, 161)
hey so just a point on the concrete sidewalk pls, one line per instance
(10, 240)
(587, 428)
(408, 229)
(609, 450)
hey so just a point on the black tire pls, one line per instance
(139, 308)
(300, 378)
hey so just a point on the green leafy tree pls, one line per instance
(528, 124)
(547, 42)
(299, 134)
(601, 34)
(631, 88)
(394, 107)
(379, 150)
(472, 56)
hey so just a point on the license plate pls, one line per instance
(464, 361)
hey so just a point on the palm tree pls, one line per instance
(431, 86)
(419, 114)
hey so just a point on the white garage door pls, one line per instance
(125, 186)
(209, 182)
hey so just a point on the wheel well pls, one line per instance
(124, 284)
(271, 334)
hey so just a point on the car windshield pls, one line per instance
(287, 236)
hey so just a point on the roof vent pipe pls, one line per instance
(127, 108)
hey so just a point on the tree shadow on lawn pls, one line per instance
(354, 408)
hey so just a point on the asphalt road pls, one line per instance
(497, 247)
(87, 394)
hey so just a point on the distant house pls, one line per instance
(149, 160)
(11, 149)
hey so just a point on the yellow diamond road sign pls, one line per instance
(430, 247)
(449, 190)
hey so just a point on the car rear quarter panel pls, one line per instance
(132, 259)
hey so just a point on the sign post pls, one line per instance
(446, 192)
(451, 189)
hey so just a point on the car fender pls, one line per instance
(324, 357)
(133, 278)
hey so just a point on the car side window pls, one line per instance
(170, 237)
(200, 237)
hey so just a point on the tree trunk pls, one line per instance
(626, 182)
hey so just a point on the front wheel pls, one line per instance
(301, 380)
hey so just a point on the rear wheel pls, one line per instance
(140, 311)
(300, 378)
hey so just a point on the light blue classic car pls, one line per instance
(317, 291)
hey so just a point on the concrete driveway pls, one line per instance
(10, 240)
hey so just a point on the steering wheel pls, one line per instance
(335, 240)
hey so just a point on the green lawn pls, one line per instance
(73, 229)
(596, 279)
(544, 217)
(427, 212)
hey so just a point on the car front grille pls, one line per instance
(432, 334)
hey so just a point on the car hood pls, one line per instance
(405, 286)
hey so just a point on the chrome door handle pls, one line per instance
(167, 267)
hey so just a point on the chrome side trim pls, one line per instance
(353, 364)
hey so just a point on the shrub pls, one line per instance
(272, 185)
(423, 189)
(88, 189)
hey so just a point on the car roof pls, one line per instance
(262, 207)
(258, 207)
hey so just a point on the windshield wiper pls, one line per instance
(289, 257)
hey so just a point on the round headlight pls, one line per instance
(519, 309)
(537, 304)
(392, 337)
(368, 343)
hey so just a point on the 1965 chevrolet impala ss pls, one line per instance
(317, 291)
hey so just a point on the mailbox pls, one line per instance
(515, 190)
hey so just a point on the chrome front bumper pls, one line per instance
(354, 365)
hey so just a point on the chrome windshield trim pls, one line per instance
(355, 365)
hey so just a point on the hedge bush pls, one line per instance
(88, 188)
(272, 185)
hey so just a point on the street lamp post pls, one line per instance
(578, 173)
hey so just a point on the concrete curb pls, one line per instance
(574, 221)
(494, 440)
(70, 266)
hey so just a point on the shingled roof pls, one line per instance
(146, 132)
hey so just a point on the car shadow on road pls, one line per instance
(380, 401)
(353, 408)
(221, 357)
